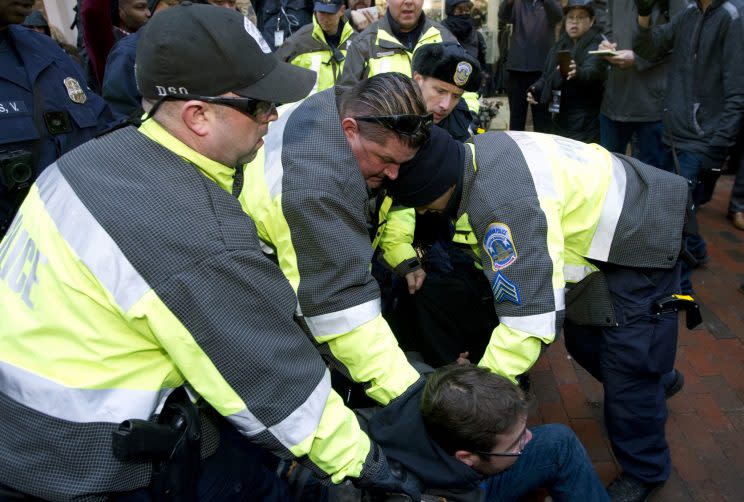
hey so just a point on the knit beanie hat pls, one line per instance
(430, 173)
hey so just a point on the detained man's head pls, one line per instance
(218, 101)
(476, 416)
(443, 72)
(384, 121)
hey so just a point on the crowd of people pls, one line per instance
(282, 260)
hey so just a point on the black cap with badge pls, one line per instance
(449, 62)
(209, 51)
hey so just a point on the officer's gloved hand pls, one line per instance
(644, 7)
(380, 475)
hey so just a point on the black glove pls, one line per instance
(644, 7)
(380, 475)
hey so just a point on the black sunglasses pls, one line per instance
(408, 125)
(254, 107)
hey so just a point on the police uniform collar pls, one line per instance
(35, 50)
(219, 173)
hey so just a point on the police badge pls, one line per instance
(462, 73)
(76, 93)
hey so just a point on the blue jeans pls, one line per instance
(615, 136)
(555, 459)
(689, 167)
(238, 471)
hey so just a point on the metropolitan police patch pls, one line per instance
(499, 246)
(462, 73)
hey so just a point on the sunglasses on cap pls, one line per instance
(407, 125)
(256, 108)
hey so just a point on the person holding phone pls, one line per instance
(572, 82)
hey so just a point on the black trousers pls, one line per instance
(517, 84)
(630, 360)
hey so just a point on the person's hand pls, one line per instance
(644, 7)
(463, 358)
(606, 45)
(531, 98)
(381, 475)
(415, 280)
(624, 59)
(571, 70)
(364, 17)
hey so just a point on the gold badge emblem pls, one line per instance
(76, 93)
(462, 73)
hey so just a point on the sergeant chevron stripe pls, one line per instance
(504, 290)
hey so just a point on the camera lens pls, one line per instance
(20, 172)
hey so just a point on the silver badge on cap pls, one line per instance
(76, 93)
(462, 73)
(256, 35)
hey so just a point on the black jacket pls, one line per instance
(533, 31)
(119, 83)
(581, 96)
(459, 123)
(399, 429)
(704, 104)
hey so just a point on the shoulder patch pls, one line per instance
(505, 290)
(499, 245)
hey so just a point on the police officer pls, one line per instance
(314, 194)
(132, 283)
(550, 212)
(321, 46)
(445, 316)
(46, 108)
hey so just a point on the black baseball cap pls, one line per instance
(207, 50)
(329, 6)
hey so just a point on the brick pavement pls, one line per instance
(706, 419)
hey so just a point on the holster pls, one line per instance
(589, 303)
(172, 444)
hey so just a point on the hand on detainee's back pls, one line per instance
(381, 475)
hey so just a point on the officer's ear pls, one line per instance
(197, 116)
(351, 129)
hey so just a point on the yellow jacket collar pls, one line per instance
(219, 173)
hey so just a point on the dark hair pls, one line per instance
(384, 94)
(464, 407)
